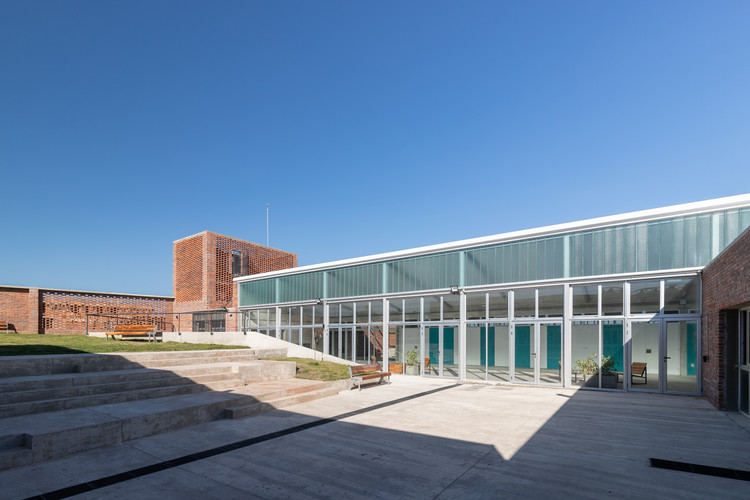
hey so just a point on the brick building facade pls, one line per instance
(63, 312)
(726, 290)
(204, 266)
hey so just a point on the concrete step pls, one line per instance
(276, 403)
(63, 380)
(162, 379)
(182, 387)
(55, 434)
(19, 366)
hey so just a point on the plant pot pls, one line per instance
(591, 380)
(609, 381)
(412, 370)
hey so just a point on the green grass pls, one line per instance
(310, 369)
(13, 344)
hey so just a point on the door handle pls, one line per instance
(666, 358)
(533, 354)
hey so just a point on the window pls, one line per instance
(236, 263)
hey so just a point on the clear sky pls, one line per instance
(367, 126)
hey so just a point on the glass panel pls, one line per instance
(376, 311)
(318, 339)
(549, 353)
(551, 302)
(612, 354)
(347, 313)
(318, 314)
(476, 352)
(451, 307)
(524, 347)
(524, 303)
(395, 310)
(295, 315)
(498, 359)
(284, 320)
(272, 317)
(682, 296)
(362, 312)
(395, 349)
(432, 343)
(585, 300)
(644, 373)
(498, 304)
(475, 306)
(411, 309)
(432, 308)
(294, 335)
(286, 334)
(252, 320)
(307, 338)
(744, 392)
(585, 353)
(612, 299)
(347, 344)
(450, 351)
(362, 345)
(411, 348)
(644, 297)
(376, 343)
(682, 356)
(334, 341)
(307, 315)
(333, 314)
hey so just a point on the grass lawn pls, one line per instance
(14, 344)
(318, 370)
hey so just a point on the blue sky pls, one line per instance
(367, 126)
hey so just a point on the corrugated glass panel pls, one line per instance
(658, 245)
(732, 222)
(703, 239)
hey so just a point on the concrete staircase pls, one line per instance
(52, 406)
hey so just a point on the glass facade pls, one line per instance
(605, 308)
(670, 243)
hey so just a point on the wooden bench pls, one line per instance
(361, 373)
(637, 369)
(134, 330)
(5, 327)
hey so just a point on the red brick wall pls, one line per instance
(726, 287)
(64, 311)
(187, 268)
(14, 308)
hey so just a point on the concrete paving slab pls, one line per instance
(471, 441)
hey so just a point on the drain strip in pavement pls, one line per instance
(186, 459)
(707, 470)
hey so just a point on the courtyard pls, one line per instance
(424, 438)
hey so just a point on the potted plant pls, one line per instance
(412, 362)
(589, 367)
(609, 375)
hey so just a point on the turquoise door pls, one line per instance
(448, 345)
(523, 346)
(487, 345)
(554, 347)
(434, 345)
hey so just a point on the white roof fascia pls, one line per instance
(569, 227)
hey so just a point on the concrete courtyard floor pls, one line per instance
(423, 438)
